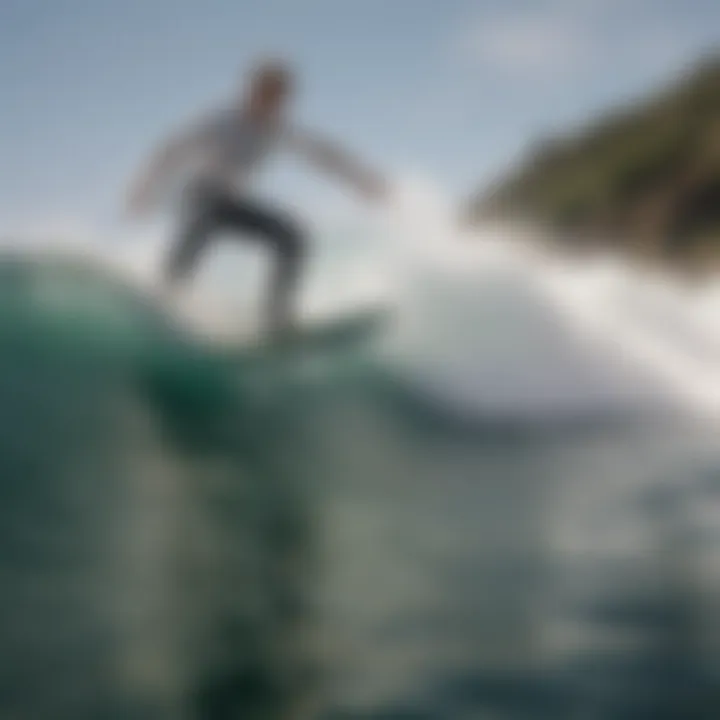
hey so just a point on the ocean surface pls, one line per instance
(504, 505)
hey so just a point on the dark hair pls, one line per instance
(274, 71)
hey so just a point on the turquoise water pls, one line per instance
(187, 537)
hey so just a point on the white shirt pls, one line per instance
(228, 148)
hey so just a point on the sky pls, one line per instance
(452, 90)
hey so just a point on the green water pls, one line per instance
(152, 545)
(191, 534)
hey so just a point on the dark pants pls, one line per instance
(210, 211)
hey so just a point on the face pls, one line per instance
(269, 95)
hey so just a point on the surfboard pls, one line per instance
(346, 332)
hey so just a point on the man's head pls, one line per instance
(270, 85)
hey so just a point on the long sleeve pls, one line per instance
(329, 157)
(168, 159)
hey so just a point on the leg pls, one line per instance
(283, 286)
(287, 243)
(186, 250)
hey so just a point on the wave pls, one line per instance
(154, 547)
(158, 517)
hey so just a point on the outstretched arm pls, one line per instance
(162, 165)
(330, 158)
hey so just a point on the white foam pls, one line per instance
(641, 319)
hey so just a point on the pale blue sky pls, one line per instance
(452, 89)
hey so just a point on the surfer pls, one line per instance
(217, 158)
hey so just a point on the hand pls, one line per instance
(138, 202)
(375, 188)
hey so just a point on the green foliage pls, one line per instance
(654, 168)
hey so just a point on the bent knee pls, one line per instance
(291, 243)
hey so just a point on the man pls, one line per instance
(216, 160)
